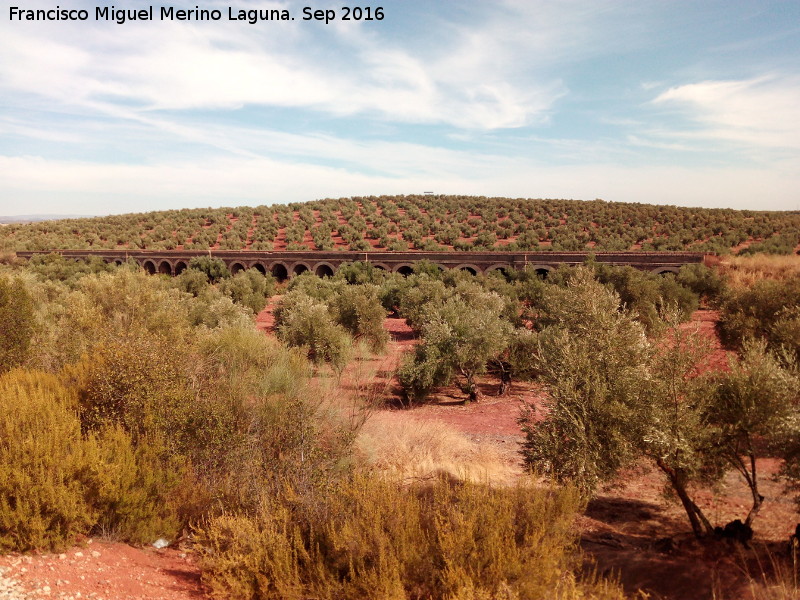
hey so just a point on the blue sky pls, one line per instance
(689, 103)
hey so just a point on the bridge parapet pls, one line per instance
(289, 263)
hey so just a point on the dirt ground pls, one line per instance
(630, 531)
(102, 570)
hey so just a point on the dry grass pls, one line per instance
(767, 576)
(414, 450)
(744, 271)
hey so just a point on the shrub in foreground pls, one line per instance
(56, 483)
(373, 538)
(43, 464)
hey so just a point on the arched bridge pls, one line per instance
(286, 264)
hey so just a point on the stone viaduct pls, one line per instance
(284, 264)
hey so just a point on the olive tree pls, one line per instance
(592, 358)
(305, 322)
(755, 399)
(459, 338)
(677, 433)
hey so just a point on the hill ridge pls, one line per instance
(424, 223)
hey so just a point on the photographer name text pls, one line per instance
(121, 16)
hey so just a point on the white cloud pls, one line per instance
(471, 81)
(761, 112)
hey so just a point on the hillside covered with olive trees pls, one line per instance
(431, 223)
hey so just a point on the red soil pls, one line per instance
(104, 570)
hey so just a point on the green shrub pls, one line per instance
(16, 323)
(460, 337)
(249, 288)
(422, 371)
(214, 268)
(768, 310)
(420, 293)
(358, 309)
(214, 310)
(55, 267)
(592, 359)
(192, 281)
(315, 287)
(139, 382)
(304, 322)
(133, 490)
(43, 464)
(647, 295)
(356, 273)
(391, 291)
(702, 280)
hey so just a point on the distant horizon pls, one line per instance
(679, 103)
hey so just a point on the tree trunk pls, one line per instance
(505, 380)
(470, 387)
(758, 499)
(700, 524)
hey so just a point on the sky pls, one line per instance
(679, 102)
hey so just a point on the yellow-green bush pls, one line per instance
(16, 323)
(56, 483)
(373, 538)
(43, 464)
(132, 489)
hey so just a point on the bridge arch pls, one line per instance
(381, 266)
(180, 267)
(404, 269)
(236, 267)
(499, 267)
(260, 268)
(472, 269)
(324, 269)
(665, 270)
(541, 270)
(165, 268)
(149, 266)
(279, 271)
(299, 268)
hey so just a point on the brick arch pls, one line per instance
(665, 270)
(469, 268)
(542, 270)
(259, 267)
(279, 271)
(404, 269)
(324, 269)
(503, 268)
(149, 266)
(299, 268)
(165, 268)
(181, 266)
(236, 267)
